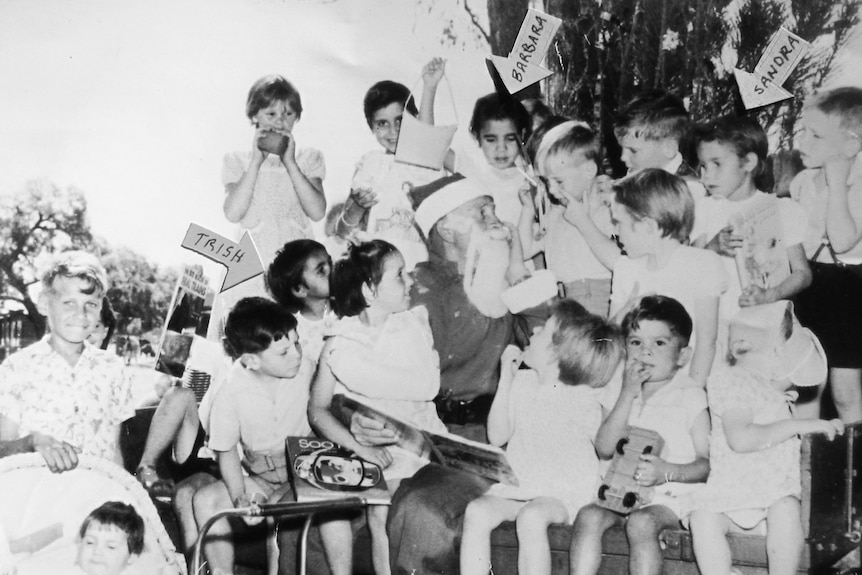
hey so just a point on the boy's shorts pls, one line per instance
(195, 463)
(268, 469)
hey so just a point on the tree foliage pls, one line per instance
(607, 52)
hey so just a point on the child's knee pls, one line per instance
(533, 519)
(642, 526)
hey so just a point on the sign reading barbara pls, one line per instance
(782, 55)
(522, 68)
(242, 260)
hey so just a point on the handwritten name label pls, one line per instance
(781, 57)
(242, 260)
(534, 37)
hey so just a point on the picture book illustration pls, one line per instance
(619, 490)
(762, 260)
(446, 449)
(324, 470)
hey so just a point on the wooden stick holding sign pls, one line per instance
(242, 260)
(523, 67)
(782, 56)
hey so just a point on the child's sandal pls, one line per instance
(147, 476)
(159, 489)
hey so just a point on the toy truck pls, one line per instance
(619, 490)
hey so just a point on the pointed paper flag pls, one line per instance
(782, 55)
(522, 67)
(242, 260)
(756, 91)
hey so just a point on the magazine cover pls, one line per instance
(324, 470)
(186, 321)
(762, 259)
(446, 449)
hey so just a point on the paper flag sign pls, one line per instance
(782, 55)
(242, 260)
(423, 144)
(522, 67)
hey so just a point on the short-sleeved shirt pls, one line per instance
(543, 414)
(745, 485)
(567, 253)
(259, 417)
(689, 275)
(809, 189)
(503, 184)
(83, 404)
(312, 333)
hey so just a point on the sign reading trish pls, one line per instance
(242, 260)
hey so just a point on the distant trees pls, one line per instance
(43, 219)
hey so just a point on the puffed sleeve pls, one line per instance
(310, 162)
(233, 167)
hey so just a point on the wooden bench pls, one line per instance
(831, 514)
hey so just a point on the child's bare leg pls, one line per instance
(534, 555)
(182, 503)
(642, 529)
(337, 539)
(709, 539)
(379, 540)
(480, 518)
(846, 384)
(585, 553)
(218, 545)
(784, 538)
(271, 543)
(175, 421)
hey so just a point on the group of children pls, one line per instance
(662, 335)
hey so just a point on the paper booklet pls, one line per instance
(762, 260)
(323, 470)
(446, 449)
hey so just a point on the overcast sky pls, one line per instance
(136, 103)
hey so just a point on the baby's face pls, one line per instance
(104, 550)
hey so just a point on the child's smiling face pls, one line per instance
(392, 293)
(499, 142)
(104, 550)
(72, 313)
(386, 125)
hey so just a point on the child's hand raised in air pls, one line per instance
(725, 242)
(377, 455)
(828, 427)
(433, 71)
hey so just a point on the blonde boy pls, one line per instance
(830, 192)
(62, 396)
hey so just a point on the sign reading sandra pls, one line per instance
(782, 55)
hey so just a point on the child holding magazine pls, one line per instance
(385, 352)
(548, 416)
(732, 152)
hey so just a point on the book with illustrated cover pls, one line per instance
(323, 470)
(762, 260)
(446, 449)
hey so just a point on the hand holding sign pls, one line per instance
(242, 260)
(522, 68)
(782, 55)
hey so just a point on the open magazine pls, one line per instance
(446, 449)
(762, 260)
(324, 470)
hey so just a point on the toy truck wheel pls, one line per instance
(604, 487)
(630, 499)
(647, 450)
(620, 444)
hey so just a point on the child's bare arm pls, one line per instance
(499, 419)
(615, 425)
(309, 191)
(326, 424)
(238, 194)
(745, 436)
(231, 473)
(603, 247)
(432, 73)
(842, 228)
(526, 226)
(798, 280)
(652, 470)
(706, 331)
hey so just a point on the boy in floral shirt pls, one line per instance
(62, 396)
